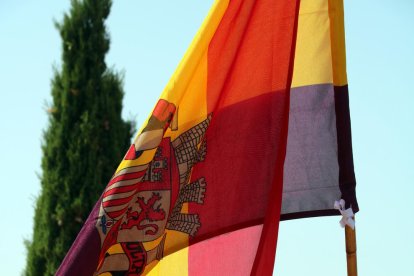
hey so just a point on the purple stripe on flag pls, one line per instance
(318, 167)
(82, 258)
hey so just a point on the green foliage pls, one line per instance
(85, 139)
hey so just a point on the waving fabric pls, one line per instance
(200, 190)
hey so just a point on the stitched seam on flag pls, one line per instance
(337, 35)
(309, 189)
(316, 84)
(308, 214)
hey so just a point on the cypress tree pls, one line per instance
(85, 139)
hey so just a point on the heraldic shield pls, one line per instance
(144, 199)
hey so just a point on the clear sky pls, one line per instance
(148, 40)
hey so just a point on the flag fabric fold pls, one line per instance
(253, 127)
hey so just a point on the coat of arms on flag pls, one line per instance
(143, 201)
(252, 128)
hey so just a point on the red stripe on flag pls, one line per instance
(250, 62)
(127, 176)
(116, 202)
(115, 214)
(123, 189)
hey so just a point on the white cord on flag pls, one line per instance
(347, 214)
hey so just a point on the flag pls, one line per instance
(319, 168)
(253, 127)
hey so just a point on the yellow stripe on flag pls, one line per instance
(313, 48)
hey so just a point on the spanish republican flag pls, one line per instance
(252, 128)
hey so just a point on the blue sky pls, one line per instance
(148, 40)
